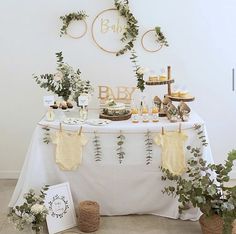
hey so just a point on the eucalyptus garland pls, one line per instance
(138, 71)
(200, 133)
(149, 145)
(66, 20)
(97, 148)
(120, 149)
(131, 32)
(46, 137)
(160, 38)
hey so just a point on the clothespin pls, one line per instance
(180, 127)
(162, 130)
(60, 126)
(80, 130)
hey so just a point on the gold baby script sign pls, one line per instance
(107, 30)
(119, 94)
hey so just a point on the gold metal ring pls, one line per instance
(92, 31)
(145, 48)
(85, 31)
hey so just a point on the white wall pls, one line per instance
(202, 50)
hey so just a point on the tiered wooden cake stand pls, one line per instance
(168, 82)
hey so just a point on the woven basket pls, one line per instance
(88, 216)
(234, 227)
(211, 225)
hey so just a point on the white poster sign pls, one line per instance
(61, 208)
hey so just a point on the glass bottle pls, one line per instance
(155, 114)
(50, 115)
(83, 113)
(145, 115)
(135, 115)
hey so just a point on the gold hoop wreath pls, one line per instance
(85, 31)
(93, 35)
(147, 49)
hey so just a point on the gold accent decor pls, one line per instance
(93, 35)
(143, 45)
(85, 31)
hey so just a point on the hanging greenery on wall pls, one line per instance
(120, 150)
(160, 38)
(149, 145)
(97, 148)
(139, 72)
(67, 19)
(131, 32)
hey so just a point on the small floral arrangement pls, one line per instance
(66, 82)
(33, 211)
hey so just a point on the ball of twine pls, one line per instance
(88, 216)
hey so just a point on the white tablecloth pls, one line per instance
(128, 188)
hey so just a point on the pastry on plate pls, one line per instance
(183, 94)
(153, 78)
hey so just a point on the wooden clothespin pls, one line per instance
(60, 126)
(180, 127)
(162, 131)
(80, 130)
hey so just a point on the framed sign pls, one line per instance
(107, 29)
(60, 207)
(48, 100)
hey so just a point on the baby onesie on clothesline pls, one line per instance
(172, 155)
(69, 148)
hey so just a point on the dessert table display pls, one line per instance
(123, 178)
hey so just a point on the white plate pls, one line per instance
(72, 121)
(98, 122)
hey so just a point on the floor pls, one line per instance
(132, 224)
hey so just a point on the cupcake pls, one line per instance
(183, 94)
(153, 78)
(163, 76)
(54, 106)
(175, 93)
(69, 105)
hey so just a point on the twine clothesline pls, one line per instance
(118, 131)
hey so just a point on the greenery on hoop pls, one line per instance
(131, 31)
(66, 19)
(160, 38)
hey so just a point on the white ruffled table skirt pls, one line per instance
(128, 188)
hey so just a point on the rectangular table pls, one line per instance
(131, 187)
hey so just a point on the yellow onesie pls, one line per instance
(68, 149)
(172, 156)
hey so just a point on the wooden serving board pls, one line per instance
(159, 82)
(184, 99)
(116, 118)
